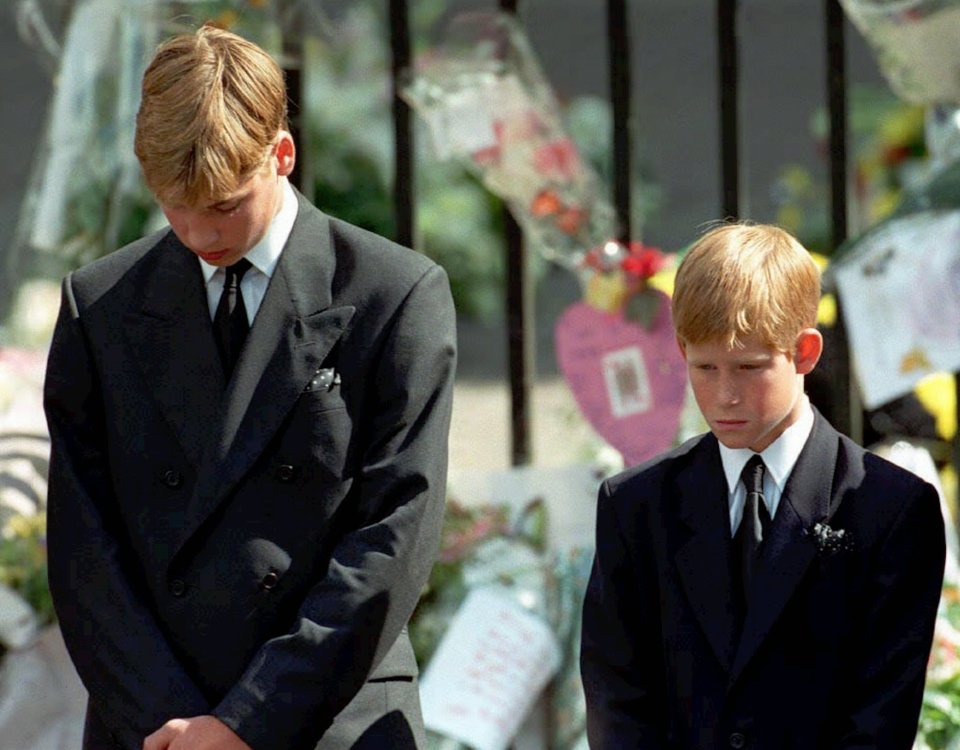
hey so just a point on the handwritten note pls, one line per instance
(900, 288)
(488, 671)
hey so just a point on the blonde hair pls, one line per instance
(742, 280)
(212, 106)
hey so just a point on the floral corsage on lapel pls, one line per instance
(830, 541)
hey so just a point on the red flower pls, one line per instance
(545, 203)
(893, 155)
(571, 219)
(643, 261)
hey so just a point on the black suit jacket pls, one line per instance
(833, 650)
(253, 549)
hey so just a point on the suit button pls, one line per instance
(172, 478)
(737, 740)
(269, 581)
(177, 587)
(286, 472)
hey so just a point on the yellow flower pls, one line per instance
(827, 311)
(797, 179)
(25, 527)
(790, 217)
(938, 395)
(226, 20)
(884, 204)
(663, 280)
(902, 126)
(606, 291)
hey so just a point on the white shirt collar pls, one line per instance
(779, 457)
(265, 255)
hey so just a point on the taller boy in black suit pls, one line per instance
(769, 584)
(240, 522)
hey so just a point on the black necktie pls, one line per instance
(755, 522)
(230, 324)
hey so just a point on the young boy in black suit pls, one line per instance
(769, 584)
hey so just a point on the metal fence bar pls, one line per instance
(292, 73)
(403, 172)
(618, 45)
(848, 409)
(519, 326)
(729, 106)
(837, 106)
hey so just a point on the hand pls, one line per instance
(198, 733)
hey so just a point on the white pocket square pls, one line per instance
(325, 379)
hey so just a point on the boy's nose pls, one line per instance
(729, 393)
(200, 237)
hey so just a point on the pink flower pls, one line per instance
(557, 159)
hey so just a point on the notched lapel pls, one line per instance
(788, 552)
(172, 342)
(702, 558)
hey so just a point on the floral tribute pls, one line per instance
(486, 544)
(487, 104)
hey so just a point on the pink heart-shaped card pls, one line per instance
(629, 381)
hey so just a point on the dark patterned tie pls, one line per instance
(230, 324)
(756, 521)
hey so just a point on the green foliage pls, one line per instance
(940, 712)
(461, 227)
(353, 189)
(23, 563)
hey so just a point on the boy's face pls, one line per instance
(221, 233)
(749, 396)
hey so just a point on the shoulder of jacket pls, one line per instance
(651, 473)
(390, 259)
(96, 277)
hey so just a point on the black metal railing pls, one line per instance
(847, 412)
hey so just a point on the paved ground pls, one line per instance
(479, 436)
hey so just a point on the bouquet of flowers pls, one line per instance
(484, 545)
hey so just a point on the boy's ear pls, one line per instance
(808, 350)
(683, 348)
(286, 154)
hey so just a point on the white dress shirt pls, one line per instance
(779, 458)
(263, 258)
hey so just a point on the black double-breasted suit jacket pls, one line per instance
(832, 650)
(250, 549)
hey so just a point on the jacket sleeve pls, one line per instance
(102, 616)
(888, 668)
(297, 683)
(622, 676)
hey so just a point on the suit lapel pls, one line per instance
(788, 552)
(172, 341)
(702, 558)
(295, 328)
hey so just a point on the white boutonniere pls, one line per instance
(830, 541)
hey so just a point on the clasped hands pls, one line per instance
(198, 733)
